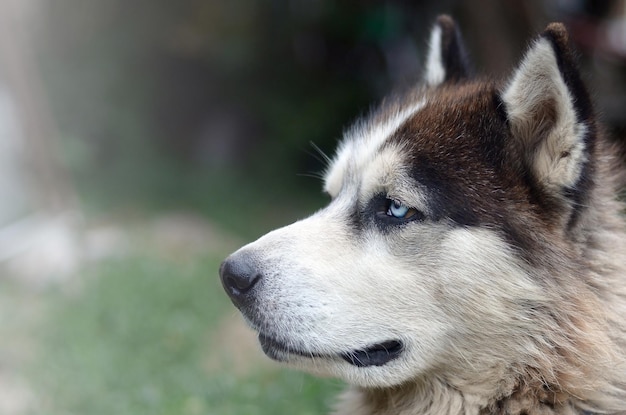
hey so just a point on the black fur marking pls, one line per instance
(567, 62)
(356, 219)
(373, 209)
(453, 52)
(568, 66)
(446, 200)
(500, 108)
(521, 242)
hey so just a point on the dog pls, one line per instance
(472, 258)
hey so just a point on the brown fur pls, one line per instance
(578, 362)
(504, 291)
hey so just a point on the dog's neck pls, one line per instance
(439, 398)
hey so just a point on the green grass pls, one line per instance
(135, 338)
(135, 335)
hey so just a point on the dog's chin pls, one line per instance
(376, 354)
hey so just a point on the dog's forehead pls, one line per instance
(440, 130)
(364, 142)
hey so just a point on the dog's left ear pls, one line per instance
(447, 59)
(551, 117)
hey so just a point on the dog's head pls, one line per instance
(433, 254)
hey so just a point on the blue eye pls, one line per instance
(397, 210)
(389, 212)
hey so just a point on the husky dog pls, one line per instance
(472, 259)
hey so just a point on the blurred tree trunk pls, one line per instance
(38, 234)
(31, 144)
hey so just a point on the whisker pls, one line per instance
(318, 176)
(321, 153)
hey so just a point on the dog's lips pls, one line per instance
(375, 355)
(277, 350)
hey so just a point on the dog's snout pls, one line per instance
(239, 275)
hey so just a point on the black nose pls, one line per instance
(239, 275)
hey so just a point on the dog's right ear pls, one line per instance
(551, 118)
(446, 61)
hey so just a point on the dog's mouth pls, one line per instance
(377, 354)
(279, 351)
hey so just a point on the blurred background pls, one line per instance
(141, 142)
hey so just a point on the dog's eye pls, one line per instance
(398, 210)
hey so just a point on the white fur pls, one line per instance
(537, 84)
(435, 72)
(485, 328)
(324, 275)
(342, 288)
(362, 144)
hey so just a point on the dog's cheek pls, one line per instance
(481, 279)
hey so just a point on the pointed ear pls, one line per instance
(447, 59)
(551, 117)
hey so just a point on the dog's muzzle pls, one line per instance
(241, 278)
